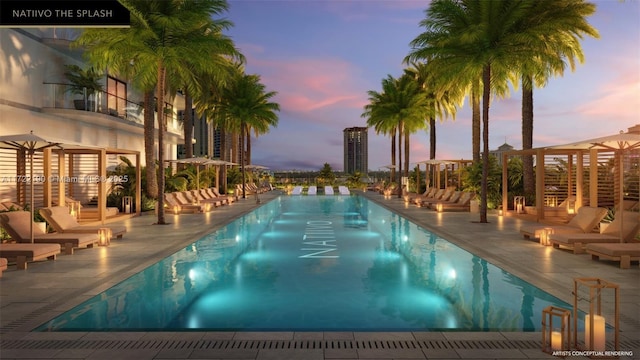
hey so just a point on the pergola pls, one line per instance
(618, 146)
(440, 165)
(66, 173)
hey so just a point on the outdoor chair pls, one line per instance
(63, 222)
(585, 221)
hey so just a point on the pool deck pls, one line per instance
(31, 297)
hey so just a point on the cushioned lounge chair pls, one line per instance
(23, 253)
(61, 221)
(440, 195)
(611, 234)
(16, 223)
(171, 200)
(625, 253)
(585, 221)
(413, 198)
(202, 197)
(463, 203)
(230, 198)
(3, 265)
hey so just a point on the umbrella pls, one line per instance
(29, 143)
(619, 143)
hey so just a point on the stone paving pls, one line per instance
(31, 297)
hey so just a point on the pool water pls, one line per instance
(318, 263)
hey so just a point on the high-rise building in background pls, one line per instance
(356, 150)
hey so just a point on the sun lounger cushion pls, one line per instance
(21, 253)
(16, 223)
(61, 221)
(623, 252)
(584, 222)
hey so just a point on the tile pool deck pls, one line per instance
(29, 298)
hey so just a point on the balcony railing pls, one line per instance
(59, 96)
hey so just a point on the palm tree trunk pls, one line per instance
(393, 156)
(432, 138)
(400, 160)
(223, 156)
(161, 126)
(187, 123)
(244, 186)
(486, 78)
(528, 179)
(475, 123)
(407, 143)
(248, 146)
(149, 145)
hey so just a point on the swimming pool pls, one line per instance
(318, 263)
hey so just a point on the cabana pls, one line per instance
(438, 167)
(60, 171)
(594, 172)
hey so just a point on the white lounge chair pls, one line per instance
(344, 190)
(297, 190)
(328, 190)
(313, 190)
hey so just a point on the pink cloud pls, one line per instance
(307, 85)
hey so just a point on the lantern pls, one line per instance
(556, 329)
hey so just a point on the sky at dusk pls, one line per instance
(322, 57)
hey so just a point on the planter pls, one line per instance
(474, 206)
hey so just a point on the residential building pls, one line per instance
(35, 96)
(356, 150)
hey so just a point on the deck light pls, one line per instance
(176, 209)
(519, 204)
(104, 236)
(545, 235)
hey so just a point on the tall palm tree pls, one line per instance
(381, 123)
(490, 38)
(403, 104)
(245, 104)
(560, 45)
(162, 35)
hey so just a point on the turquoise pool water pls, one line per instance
(318, 263)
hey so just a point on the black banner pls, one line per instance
(42, 13)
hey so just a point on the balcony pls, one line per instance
(103, 106)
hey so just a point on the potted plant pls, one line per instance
(85, 82)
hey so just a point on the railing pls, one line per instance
(59, 96)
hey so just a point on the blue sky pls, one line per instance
(322, 56)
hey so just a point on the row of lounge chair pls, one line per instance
(68, 235)
(448, 199)
(616, 242)
(196, 201)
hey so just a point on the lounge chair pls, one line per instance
(611, 234)
(462, 203)
(3, 265)
(328, 190)
(229, 198)
(22, 253)
(61, 221)
(440, 195)
(585, 221)
(313, 190)
(203, 197)
(622, 252)
(417, 198)
(16, 223)
(344, 190)
(172, 202)
(297, 190)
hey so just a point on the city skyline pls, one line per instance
(323, 56)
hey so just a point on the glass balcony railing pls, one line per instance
(59, 96)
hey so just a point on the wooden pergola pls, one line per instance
(437, 164)
(619, 144)
(63, 168)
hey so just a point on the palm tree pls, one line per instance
(487, 38)
(402, 104)
(243, 105)
(382, 124)
(162, 35)
(567, 19)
